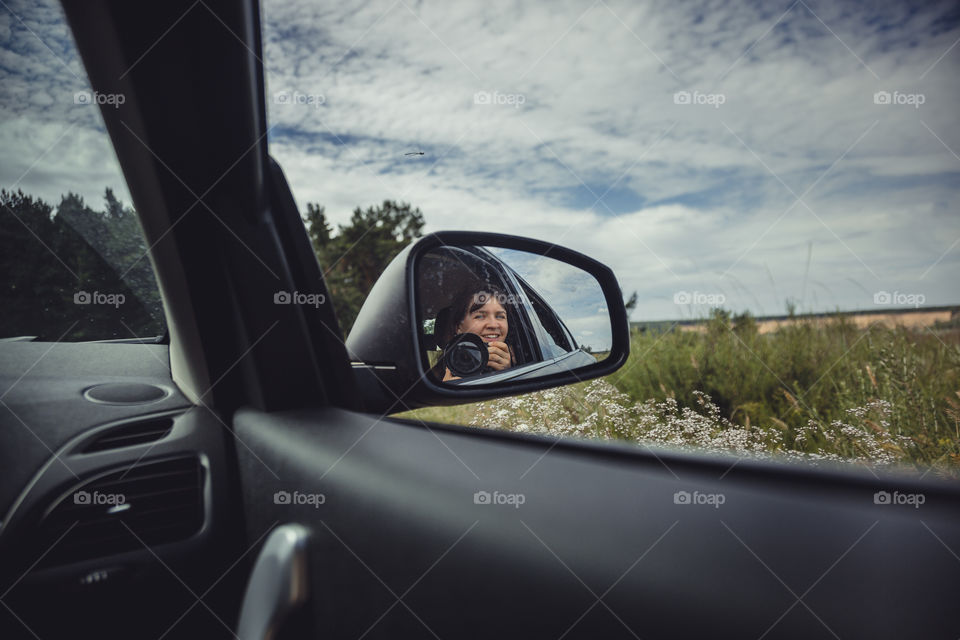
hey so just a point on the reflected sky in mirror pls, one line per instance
(571, 292)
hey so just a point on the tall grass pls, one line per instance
(806, 378)
(878, 395)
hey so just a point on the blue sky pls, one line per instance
(700, 150)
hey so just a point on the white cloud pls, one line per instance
(797, 119)
(704, 197)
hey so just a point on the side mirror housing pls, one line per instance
(551, 316)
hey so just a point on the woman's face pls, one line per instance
(489, 321)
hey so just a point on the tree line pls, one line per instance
(75, 273)
(72, 272)
(52, 256)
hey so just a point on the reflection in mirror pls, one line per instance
(492, 315)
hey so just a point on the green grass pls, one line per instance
(831, 391)
(804, 373)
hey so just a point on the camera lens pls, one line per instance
(466, 355)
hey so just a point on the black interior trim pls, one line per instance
(597, 522)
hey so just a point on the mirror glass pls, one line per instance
(491, 315)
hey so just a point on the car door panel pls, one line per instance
(596, 521)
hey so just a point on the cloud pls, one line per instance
(50, 143)
(708, 147)
(565, 122)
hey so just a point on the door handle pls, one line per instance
(278, 584)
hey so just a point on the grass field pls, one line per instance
(876, 395)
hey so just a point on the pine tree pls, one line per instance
(354, 257)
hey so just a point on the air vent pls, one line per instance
(127, 435)
(148, 504)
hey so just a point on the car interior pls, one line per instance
(244, 478)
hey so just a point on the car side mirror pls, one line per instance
(464, 316)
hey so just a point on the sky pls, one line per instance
(573, 294)
(713, 153)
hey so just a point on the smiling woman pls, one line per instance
(482, 312)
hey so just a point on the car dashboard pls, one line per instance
(116, 487)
